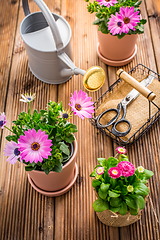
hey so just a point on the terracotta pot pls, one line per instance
(116, 49)
(55, 181)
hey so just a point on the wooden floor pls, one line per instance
(26, 214)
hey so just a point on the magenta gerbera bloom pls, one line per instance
(121, 150)
(107, 3)
(126, 168)
(34, 146)
(114, 172)
(100, 170)
(129, 17)
(115, 24)
(3, 120)
(81, 104)
(12, 150)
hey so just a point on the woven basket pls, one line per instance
(110, 218)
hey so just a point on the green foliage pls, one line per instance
(113, 193)
(59, 130)
(103, 14)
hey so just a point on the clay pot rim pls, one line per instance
(69, 161)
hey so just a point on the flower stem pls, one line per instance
(9, 129)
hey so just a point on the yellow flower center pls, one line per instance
(78, 106)
(126, 20)
(35, 146)
(114, 172)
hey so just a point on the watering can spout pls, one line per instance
(70, 72)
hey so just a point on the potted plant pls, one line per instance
(45, 143)
(119, 23)
(121, 190)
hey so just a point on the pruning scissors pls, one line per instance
(122, 105)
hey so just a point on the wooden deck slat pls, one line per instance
(26, 214)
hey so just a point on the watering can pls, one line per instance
(47, 40)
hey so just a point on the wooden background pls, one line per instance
(26, 214)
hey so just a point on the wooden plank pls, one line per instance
(23, 206)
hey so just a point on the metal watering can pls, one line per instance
(47, 38)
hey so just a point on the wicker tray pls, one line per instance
(139, 72)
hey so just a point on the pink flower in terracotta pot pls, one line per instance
(115, 25)
(107, 3)
(129, 17)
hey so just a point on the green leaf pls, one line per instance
(132, 203)
(102, 162)
(143, 21)
(100, 205)
(133, 211)
(106, 177)
(93, 174)
(124, 190)
(141, 189)
(115, 202)
(113, 194)
(113, 209)
(64, 148)
(29, 168)
(102, 195)
(147, 174)
(69, 139)
(137, 4)
(96, 183)
(141, 202)
(123, 157)
(123, 208)
(46, 170)
(58, 168)
(104, 187)
(112, 162)
(98, 21)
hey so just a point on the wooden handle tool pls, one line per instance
(134, 83)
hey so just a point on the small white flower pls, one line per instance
(27, 98)
(140, 169)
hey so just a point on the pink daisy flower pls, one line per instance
(100, 170)
(81, 104)
(114, 172)
(115, 25)
(3, 120)
(107, 3)
(12, 150)
(34, 146)
(126, 168)
(129, 17)
(121, 150)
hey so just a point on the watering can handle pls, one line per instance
(49, 18)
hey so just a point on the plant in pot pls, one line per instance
(121, 190)
(45, 143)
(119, 23)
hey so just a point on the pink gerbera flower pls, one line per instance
(100, 170)
(115, 25)
(34, 146)
(107, 3)
(121, 150)
(12, 150)
(114, 172)
(3, 120)
(129, 17)
(81, 104)
(126, 168)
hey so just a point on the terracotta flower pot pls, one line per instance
(114, 51)
(55, 181)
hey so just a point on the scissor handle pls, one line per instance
(117, 110)
(121, 134)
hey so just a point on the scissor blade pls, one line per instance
(134, 93)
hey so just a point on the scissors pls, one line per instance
(122, 105)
